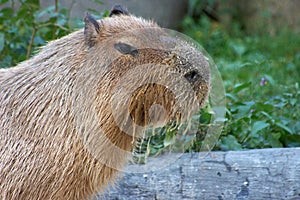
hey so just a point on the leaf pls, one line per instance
(284, 127)
(241, 86)
(230, 143)
(293, 101)
(2, 41)
(61, 22)
(258, 126)
(105, 13)
(231, 96)
(293, 140)
(169, 140)
(267, 115)
(244, 110)
(274, 140)
(276, 135)
(6, 62)
(238, 47)
(264, 107)
(39, 41)
(44, 12)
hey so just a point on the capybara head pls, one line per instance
(146, 68)
(70, 114)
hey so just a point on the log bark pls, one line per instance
(254, 174)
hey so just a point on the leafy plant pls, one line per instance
(25, 26)
(261, 77)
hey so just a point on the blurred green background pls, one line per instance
(255, 44)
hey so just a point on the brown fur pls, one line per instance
(56, 107)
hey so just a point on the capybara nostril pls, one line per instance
(192, 76)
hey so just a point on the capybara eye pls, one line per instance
(126, 48)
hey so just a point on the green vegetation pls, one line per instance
(261, 77)
(260, 74)
(23, 31)
(25, 26)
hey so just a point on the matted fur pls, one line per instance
(46, 106)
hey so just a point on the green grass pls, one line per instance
(261, 78)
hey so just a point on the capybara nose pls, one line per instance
(192, 76)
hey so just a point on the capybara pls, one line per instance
(70, 115)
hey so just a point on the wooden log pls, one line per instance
(254, 174)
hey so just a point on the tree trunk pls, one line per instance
(255, 174)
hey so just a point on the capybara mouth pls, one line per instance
(154, 92)
(151, 104)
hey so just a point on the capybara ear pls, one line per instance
(91, 30)
(118, 10)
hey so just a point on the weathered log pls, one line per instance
(254, 174)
